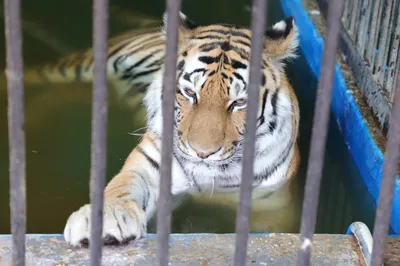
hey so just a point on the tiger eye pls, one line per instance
(190, 92)
(240, 102)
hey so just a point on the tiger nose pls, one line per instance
(204, 154)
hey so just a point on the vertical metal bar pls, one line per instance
(384, 38)
(364, 22)
(16, 135)
(164, 206)
(354, 18)
(384, 208)
(394, 88)
(391, 73)
(346, 12)
(99, 128)
(319, 133)
(243, 215)
(373, 33)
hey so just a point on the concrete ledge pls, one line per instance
(191, 249)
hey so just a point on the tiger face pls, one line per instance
(211, 91)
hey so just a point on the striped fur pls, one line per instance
(212, 82)
(133, 59)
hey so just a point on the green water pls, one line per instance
(58, 119)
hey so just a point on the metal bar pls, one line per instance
(373, 33)
(243, 215)
(99, 128)
(354, 18)
(319, 133)
(391, 73)
(346, 16)
(164, 206)
(384, 38)
(394, 88)
(364, 22)
(16, 134)
(390, 168)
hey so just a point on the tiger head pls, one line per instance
(212, 81)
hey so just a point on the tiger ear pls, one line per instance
(281, 40)
(186, 27)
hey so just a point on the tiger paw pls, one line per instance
(122, 222)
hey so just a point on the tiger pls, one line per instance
(209, 124)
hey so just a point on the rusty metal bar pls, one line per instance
(16, 134)
(384, 208)
(319, 133)
(164, 205)
(99, 128)
(243, 215)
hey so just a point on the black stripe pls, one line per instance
(207, 59)
(119, 47)
(263, 79)
(146, 197)
(279, 162)
(264, 101)
(274, 100)
(230, 31)
(210, 46)
(214, 37)
(158, 62)
(240, 78)
(143, 73)
(181, 64)
(242, 42)
(236, 64)
(141, 61)
(116, 62)
(186, 76)
(272, 126)
(151, 160)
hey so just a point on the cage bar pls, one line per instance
(390, 169)
(247, 176)
(164, 205)
(384, 38)
(319, 133)
(354, 21)
(363, 27)
(373, 33)
(99, 128)
(390, 83)
(16, 134)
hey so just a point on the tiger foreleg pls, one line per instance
(130, 200)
